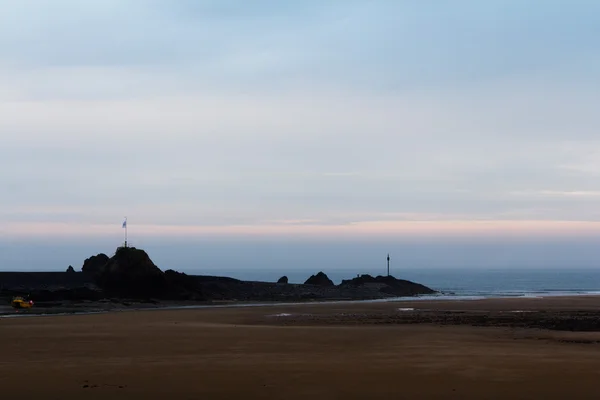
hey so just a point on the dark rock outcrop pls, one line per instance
(94, 264)
(70, 270)
(388, 285)
(181, 286)
(131, 273)
(319, 279)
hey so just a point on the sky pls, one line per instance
(301, 120)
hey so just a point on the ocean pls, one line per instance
(456, 283)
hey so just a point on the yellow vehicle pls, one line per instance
(20, 302)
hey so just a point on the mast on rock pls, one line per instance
(125, 227)
(388, 264)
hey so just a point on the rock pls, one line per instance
(389, 285)
(319, 279)
(131, 273)
(182, 286)
(93, 264)
(359, 280)
(130, 276)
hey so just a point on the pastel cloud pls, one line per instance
(309, 230)
(227, 118)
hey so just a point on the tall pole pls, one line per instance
(125, 226)
(388, 260)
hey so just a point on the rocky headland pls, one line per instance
(130, 277)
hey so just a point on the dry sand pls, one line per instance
(250, 353)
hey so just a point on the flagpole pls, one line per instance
(125, 224)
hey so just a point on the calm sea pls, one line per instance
(458, 283)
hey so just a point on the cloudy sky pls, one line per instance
(306, 117)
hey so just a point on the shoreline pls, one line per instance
(91, 308)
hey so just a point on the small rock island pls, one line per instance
(130, 277)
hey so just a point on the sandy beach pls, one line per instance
(335, 351)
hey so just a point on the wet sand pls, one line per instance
(302, 351)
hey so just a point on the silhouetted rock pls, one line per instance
(389, 285)
(319, 279)
(131, 273)
(359, 280)
(182, 286)
(93, 264)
